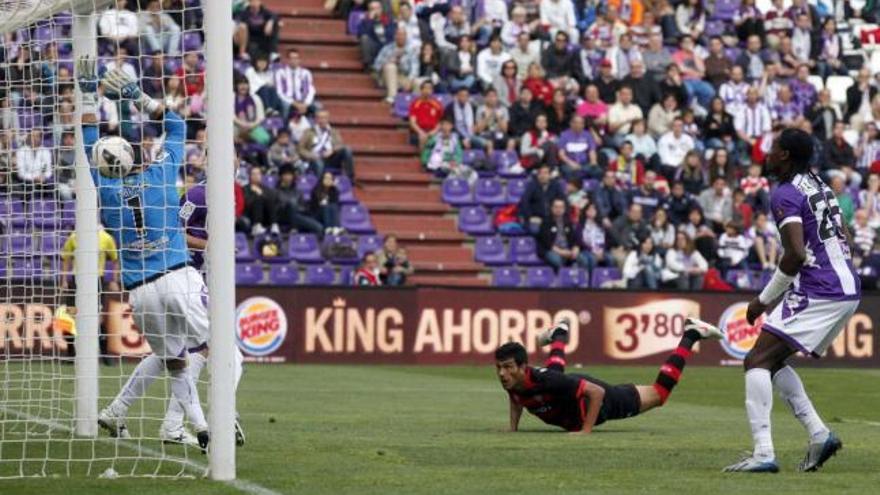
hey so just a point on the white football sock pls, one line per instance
(239, 368)
(175, 413)
(791, 390)
(183, 389)
(759, 403)
(146, 372)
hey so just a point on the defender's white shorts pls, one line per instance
(172, 312)
(809, 325)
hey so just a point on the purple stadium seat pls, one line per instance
(305, 183)
(505, 161)
(346, 194)
(572, 277)
(243, 250)
(739, 279)
(472, 156)
(540, 277)
(515, 189)
(506, 277)
(715, 27)
(490, 192)
(21, 245)
(51, 243)
(192, 41)
(341, 240)
(274, 124)
(4, 248)
(239, 65)
(525, 251)
(45, 214)
(732, 53)
(354, 19)
(320, 275)
(491, 251)
(67, 210)
(248, 273)
(355, 218)
(402, 101)
(590, 185)
(304, 248)
(26, 267)
(603, 276)
(12, 211)
(474, 220)
(457, 192)
(270, 181)
(283, 275)
(369, 244)
(346, 275)
(725, 10)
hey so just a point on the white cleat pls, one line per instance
(707, 331)
(178, 436)
(239, 432)
(113, 423)
(751, 465)
(559, 332)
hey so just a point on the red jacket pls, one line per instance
(239, 200)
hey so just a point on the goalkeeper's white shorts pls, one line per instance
(172, 312)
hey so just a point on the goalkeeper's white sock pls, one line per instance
(183, 389)
(175, 414)
(146, 372)
(791, 390)
(759, 403)
(238, 367)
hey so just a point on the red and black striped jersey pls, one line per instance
(556, 398)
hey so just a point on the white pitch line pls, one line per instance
(239, 484)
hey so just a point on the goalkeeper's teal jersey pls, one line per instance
(141, 210)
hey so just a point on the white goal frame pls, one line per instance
(218, 27)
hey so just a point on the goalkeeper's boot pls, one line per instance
(559, 332)
(177, 435)
(203, 439)
(707, 331)
(239, 431)
(819, 452)
(114, 423)
(750, 464)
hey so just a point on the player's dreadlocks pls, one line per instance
(799, 146)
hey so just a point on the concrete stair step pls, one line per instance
(391, 164)
(361, 114)
(349, 85)
(329, 31)
(375, 137)
(396, 222)
(303, 8)
(442, 254)
(371, 178)
(430, 238)
(398, 193)
(436, 278)
(421, 209)
(382, 150)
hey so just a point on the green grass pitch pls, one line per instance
(413, 430)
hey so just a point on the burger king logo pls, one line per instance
(739, 336)
(261, 326)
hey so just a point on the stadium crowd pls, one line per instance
(643, 125)
(292, 160)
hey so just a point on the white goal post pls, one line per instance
(73, 413)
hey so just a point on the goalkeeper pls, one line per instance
(139, 207)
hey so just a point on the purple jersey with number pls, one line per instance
(194, 216)
(828, 272)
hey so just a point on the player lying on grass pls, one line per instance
(815, 290)
(578, 402)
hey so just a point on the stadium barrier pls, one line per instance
(456, 326)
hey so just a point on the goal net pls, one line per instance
(71, 255)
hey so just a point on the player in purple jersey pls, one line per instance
(810, 297)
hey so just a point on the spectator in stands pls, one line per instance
(249, 115)
(577, 151)
(524, 54)
(742, 210)
(295, 84)
(397, 65)
(560, 64)
(589, 57)
(656, 57)
(489, 62)
(159, 30)
(492, 122)
(425, 113)
(409, 22)
(622, 56)
(690, 18)
(643, 266)
(679, 204)
(864, 236)
(537, 199)
(324, 204)
(592, 107)
(644, 146)
(803, 91)
(662, 231)
(538, 145)
(868, 149)
(261, 79)
(685, 266)
(703, 235)
(717, 64)
(753, 60)
(844, 200)
(838, 152)
(506, 84)
(257, 30)
(448, 34)
(627, 231)
(33, 162)
(193, 74)
(65, 178)
(662, 115)
(830, 50)
(518, 24)
(558, 15)
(430, 67)
(717, 128)
(673, 147)
(283, 152)
(122, 61)
(642, 25)
(734, 91)
(367, 273)
(610, 201)
(543, 91)
(557, 239)
(693, 70)
(443, 155)
(691, 174)
(293, 211)
(717, 204)
(621, 116)
(461, 65)
(765, 247)
(120, 26)
(869, 199)
(752, 120)
(463, 115)
(394, 266)
(823, 115)
(261, 204)
(858, 99)
(592, 237)
(605, 82)
(628, 169)
(748, 21)
(523, 114)
(733, 248)
(645, 89)
(375, 31)
(322, 146)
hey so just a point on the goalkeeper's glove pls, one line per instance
(88, 84)
(121, 86)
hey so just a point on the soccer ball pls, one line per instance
(113, 156)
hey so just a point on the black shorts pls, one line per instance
(621, 401)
